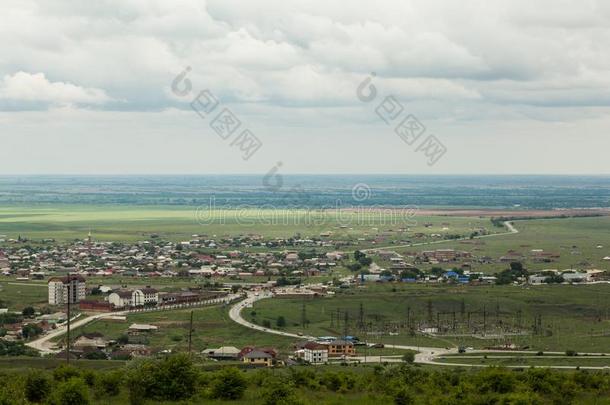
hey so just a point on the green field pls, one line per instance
(529, 360)
(132, 223)
(17, 295)
(571, 317)
(576, 240)
(212, 327)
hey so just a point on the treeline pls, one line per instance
(499, 221)
(178, 379)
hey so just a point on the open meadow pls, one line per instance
(364, 228)
(550, 317)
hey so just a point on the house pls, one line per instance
(121, 299)
(340, 348)
(222, 353)
(315, 353)
(258, 358)
(90, 341)
(138, 328)
(145, 297)
(576, 277)
(70, 289)
(134, 298)
(136, 350)
(537, 279)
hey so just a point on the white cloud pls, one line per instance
(297, 64)
(23, 86)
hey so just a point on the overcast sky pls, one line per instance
(505, 86)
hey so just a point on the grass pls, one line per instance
(212, 327)
(23, 364)
(574, 239)
(132, 223)
(573, 317)
(17, 296)
(527, 361)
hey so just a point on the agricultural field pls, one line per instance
(581, 243)
(175, 223)
(18, 295)
(550, 317)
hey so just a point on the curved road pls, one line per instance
(424, 355)
(44, 344)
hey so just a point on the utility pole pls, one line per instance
(190, 333)
(345, 322)
(69, 295)
(303, 316)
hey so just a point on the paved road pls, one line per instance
(45, 345)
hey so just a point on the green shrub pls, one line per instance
(109, 384)
(71, 392)
(174, 378)
(37, 386)
(64, 372)
(228, 383)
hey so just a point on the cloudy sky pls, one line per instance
(503, 86)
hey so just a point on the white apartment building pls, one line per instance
(134, 298)
(70, 289)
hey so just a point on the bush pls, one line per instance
(172, 378)
(109, 384)
(278, 392)
(71, 392)
(30, 330)
(28, 312)
(571, 353)
(64, 372)
(89, 377)
(228, 383)
(96, 355)
(403, 397)
(409, 358)
(37, 386)
(281, 322)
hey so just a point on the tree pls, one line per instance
(65, 372)
(96, 355)
(409, 357)
(172, 378)
(354, 266)
(266, 323)
(278, 392)
(30, 330)
(71, 392)
(280, 322)
(28, 312)
(516, 266)
(37, 386)
(229, 384)
(110, 383)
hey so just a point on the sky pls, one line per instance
(413, 87)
